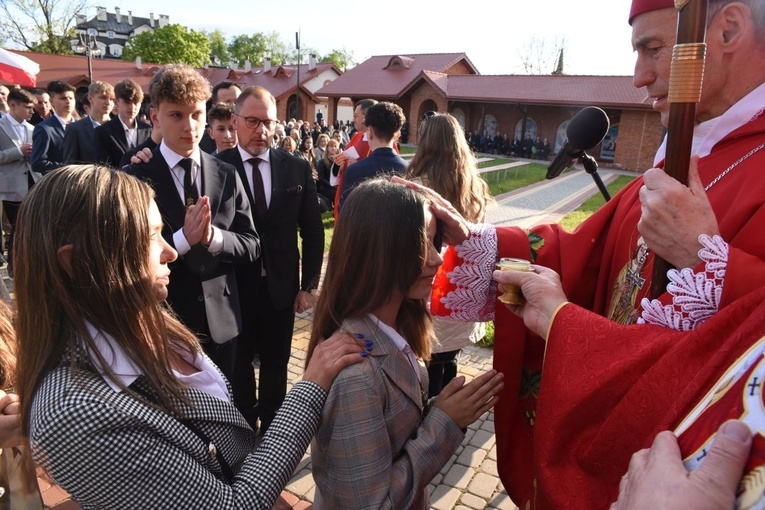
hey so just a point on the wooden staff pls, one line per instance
(686, 77)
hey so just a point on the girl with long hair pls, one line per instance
(445, 163)
(328, 170)
(122, 407)
(380, 443)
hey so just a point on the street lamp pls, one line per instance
(87, 45)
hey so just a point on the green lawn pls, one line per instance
(592, 204)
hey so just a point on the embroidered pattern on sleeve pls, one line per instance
(695, 296)
(475, 292)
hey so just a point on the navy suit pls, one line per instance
(112, 142)
(383, 160)
(80, 144)
(48, 145)
(268, 301)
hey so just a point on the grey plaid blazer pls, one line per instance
(374, 449)
(109, 450)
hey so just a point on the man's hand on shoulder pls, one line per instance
(142, 156)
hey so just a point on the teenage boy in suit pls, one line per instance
(80, 143)
(16, 175)
(119, 135)
(206, 214)
(48, 136)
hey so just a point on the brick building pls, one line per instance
(513, 104)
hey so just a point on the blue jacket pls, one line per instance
(382, 161)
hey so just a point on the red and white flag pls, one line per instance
(17, 69)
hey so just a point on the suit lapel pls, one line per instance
(278, 174)
(392, 360)
(119, 135)
(213, 181)
(171, 205)
(9, 131)
(239, 165)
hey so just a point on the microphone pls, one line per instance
(586, 130)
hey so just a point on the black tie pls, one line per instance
(261, 208)
(190, 191)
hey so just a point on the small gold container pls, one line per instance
(512, 293)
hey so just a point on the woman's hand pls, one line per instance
(455, 227)
(334, 354)
(543, 292)
(10, 420)
(465, 403)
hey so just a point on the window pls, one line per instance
(110, 34)
(92, 31)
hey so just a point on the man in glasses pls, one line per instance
(283, 199)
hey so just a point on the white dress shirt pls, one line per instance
(265, 172)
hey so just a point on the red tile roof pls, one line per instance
(376, 77)
(73, 69)
(614, 91)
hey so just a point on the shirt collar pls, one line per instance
(125, 127)
(708, 133)
(246, 155)
(62, 121)
(173, 158)
(125, 371)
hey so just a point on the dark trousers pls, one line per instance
(267, 331)
(11, 211)
(442, 368)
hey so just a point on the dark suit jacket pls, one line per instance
(112, 143)
(48, 145)
(294, 204)
(80, 145)
(148, 144)
(203, 285)
(382, 161)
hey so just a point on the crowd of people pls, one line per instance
(154, 258)
(527, 147)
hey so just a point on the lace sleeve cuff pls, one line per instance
(695, 296)
(474, 292)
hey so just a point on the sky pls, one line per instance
(493, 33)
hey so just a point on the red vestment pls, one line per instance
(606, 398)
(589, 261)
(362, 147)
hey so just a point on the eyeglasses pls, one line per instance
(254, 122)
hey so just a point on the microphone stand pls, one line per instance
(591, 167)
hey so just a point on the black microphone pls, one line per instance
(586, 130)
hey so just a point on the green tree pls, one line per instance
(252, 47)
(40, 25)
(277, 49)
(218, 47)
(342, 58)
(169, 44)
